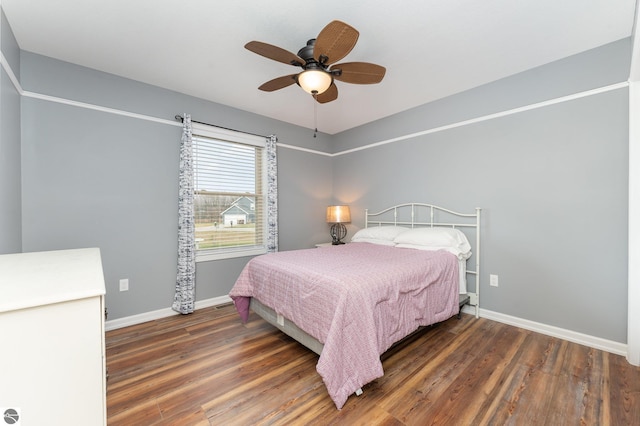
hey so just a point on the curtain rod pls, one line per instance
(179, 118)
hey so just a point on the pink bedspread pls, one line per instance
(356, 299)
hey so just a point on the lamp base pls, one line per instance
(338, 232)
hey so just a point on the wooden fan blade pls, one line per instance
(334, 42)
(359, 72)
(274, 52)
(278, 83)
(331, 94)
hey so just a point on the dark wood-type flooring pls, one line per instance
(209, 368)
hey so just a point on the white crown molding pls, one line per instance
(492, 116)
(496, 115)
(7, 68)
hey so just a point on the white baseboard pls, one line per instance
(549, 330)
(161, 313)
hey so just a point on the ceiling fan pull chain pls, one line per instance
(315, 112)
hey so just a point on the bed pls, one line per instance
(408, 267)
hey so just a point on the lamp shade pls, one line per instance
(317, 81)
(338, 214)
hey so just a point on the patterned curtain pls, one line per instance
(272, 194)
(184, 299)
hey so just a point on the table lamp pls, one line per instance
(337, 215)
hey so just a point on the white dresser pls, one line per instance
(52, 356)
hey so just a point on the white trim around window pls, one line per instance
(205, 131)
(227, 135)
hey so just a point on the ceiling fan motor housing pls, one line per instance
(306, 53)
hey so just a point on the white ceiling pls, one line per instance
(431, 48)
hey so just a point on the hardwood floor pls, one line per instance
(209, 368)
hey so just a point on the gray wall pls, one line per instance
(10, 184)
(97, 179)
(552, 183)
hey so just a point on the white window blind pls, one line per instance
(229, 198)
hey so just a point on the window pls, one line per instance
(229, 184)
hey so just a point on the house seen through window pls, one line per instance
(229, 198)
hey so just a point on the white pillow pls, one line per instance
(385, 233)
(435, 237)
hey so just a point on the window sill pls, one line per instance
(206, 256)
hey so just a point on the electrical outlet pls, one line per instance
(493, 280)
(124, 284)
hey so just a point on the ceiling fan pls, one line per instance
(317, 60)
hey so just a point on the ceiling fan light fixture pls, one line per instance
(315, 81)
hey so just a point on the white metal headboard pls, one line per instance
(427, 215)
